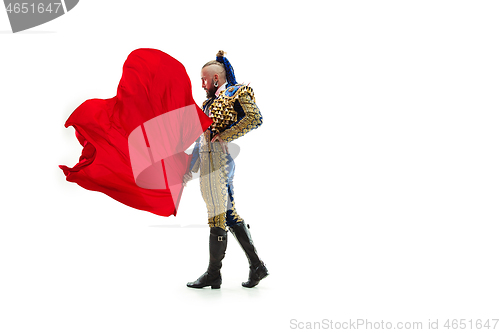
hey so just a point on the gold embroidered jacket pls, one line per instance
(234, 113)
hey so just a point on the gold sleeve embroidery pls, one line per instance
(196, 165)
(250, 121)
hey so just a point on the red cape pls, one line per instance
(134, 143)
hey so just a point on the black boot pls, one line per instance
(258, 270)
(217, 246)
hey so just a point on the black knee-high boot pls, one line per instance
(258, 270)
(217, 249)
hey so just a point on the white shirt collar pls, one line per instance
(220, 89)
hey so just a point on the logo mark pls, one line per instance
(25, 14)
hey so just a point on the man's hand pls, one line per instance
(222, 143)
(187, 177)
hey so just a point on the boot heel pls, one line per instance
(216, 287)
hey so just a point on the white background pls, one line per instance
(372, 188)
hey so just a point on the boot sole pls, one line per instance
(243, 283)
(201, 287)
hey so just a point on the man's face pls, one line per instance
(207, 81)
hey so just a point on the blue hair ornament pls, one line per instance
(230, 78)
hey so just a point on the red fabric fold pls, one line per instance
(134, 143)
